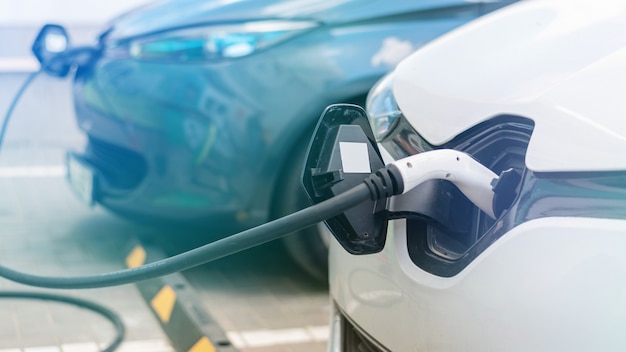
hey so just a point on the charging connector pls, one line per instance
(471, 177)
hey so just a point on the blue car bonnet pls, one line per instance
(163, 15)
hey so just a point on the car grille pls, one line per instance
(120, 167)
(354, 340)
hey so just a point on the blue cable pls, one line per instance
(16, 99)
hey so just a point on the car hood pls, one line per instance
(163, 15)
(560, 63)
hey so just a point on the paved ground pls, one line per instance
(259, 297)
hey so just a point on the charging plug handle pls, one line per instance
(471, 177)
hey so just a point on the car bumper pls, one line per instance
(152, 173)
(347, 336)
(548, 284)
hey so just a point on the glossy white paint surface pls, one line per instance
(559, 63)
(470, 176)
(550, 284)
(553, 284)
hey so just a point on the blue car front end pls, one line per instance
(158, 156)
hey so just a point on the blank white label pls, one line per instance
(354, 157)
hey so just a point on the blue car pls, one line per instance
(201, 111)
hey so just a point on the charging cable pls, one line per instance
(472, 178)
(9, 113)
(209, 252)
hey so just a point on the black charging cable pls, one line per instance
(381, 184)
(381, 187)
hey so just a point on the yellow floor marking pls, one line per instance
(203, 345)
(163, 303)
(137, 257)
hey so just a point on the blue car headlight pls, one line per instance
(382, 108)
(209, 42)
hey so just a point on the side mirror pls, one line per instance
(341, 155)
(51, 42)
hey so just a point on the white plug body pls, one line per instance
(471, 177)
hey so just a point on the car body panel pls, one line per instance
(546, 275)
(545, 285)
(537, 39)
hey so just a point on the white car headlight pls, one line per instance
(381, 107)
(210, 42)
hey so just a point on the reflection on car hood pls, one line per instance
(560, 63)
(162, 15)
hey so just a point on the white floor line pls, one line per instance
(145, 346)
(42, 349)
(81, 347)
(265, 338)
(32, 171)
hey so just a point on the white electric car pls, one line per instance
(537, 93)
